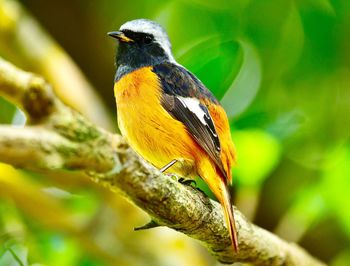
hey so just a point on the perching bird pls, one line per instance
(168, 116)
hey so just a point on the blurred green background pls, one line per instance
(281, 70)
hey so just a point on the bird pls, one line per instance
(168, 116)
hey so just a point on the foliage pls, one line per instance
(281, 70)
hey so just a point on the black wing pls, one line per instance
(181, 98)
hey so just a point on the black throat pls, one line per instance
(132, 56)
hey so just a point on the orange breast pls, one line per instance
(150, 130)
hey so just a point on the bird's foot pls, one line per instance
(192, 183)
(201, 191)
(187, 182)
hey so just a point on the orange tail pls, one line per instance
(229, 216)
(208, 172)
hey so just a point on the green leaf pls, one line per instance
(335, 184)
(323, 5)
(180, 19)
(307, 208)
(212, 5)
(59, 250)
(15, 255)
(245, 86)
(290, 44)
(215, 62)
(257, 155)
(7, 110)
(341, 259)
(208, 49)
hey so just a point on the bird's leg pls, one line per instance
(166, 167)
(181, 180)
(192, 183)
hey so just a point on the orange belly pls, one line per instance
(149, 129)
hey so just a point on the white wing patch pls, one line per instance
(193, 105)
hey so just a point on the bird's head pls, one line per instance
(142, 42)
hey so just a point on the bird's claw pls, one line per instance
(188, 182)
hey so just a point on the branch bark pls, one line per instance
(60, 138)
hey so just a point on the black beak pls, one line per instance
(119, 35)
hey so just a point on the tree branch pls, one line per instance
(26, 42)
(61, 138)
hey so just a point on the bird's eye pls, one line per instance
(147, 39)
